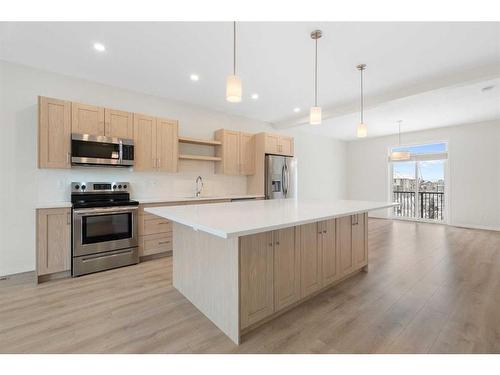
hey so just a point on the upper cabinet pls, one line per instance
(155, 141)
(118, 124)
(278, 144)
(54, 133)
(144, 142)
(87, 119)
(237, 153)
(167, 135)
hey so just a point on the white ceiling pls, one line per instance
(427, 74)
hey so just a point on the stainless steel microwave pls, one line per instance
(89, 149)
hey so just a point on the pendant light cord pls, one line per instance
(234, 48)
(316, 74)
(362, 99)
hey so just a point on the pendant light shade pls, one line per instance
(400, 155)
(362, 129)
(315, 116)
(233, 89)
(233, 82)
(315, 112)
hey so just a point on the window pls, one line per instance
(418, 184)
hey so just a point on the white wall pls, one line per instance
(321, 160)
(473, 165)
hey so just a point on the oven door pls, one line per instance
(97, 230)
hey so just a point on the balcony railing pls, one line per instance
(431, 205)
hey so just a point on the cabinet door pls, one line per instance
(272, 144)
(87, 119)
(329, 252)
(286, 145)
(359, 239)
(310, 259)
(256, 278)
(344, 233)
(53, 240)
(230, 152)
(286, 268)
(118, 124)
(166, 144)
(247, 154)
(144, 142)
(54, 133)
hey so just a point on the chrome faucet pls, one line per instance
(199, 187)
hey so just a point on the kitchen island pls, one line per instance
(244, 263)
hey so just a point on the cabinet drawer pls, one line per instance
(157, 243)
(157, 226)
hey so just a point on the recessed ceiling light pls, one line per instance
(99, 47)
(255, 96)
(296, 109)
(194, 77)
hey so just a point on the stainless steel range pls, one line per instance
(104, 226)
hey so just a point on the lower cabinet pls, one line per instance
(281, 267)
(359, 236)
(310, 259)
(256, 277)
(53, 240)
(328, 244)
(286, 268)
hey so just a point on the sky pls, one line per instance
(431, 170)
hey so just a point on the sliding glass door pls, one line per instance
(418, 185)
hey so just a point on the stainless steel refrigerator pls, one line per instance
(281, 177)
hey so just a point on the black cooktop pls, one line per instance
(83, 200)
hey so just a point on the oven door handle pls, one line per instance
(105, 211)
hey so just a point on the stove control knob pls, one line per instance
(77, 187)
(114, 186)
(119, 186)
(83, 187)
(124, 186)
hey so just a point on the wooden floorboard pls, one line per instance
(430, 289)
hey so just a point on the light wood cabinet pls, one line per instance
(344, 232)
(286, 268)
(310, 259)
(247, 154)
(228, 151)
(279, 144)
(359, 239)
(54, 133)
(144, 142)
(237, 152)
(53, 241)
(328, 243)
(119, 124)
(155, 141)
(87, 119)
(167, 134)
(256, 278)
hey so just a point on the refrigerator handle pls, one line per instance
(286, 179)
(283, 180)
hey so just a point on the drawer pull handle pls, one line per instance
(163, 242)
(163, 223)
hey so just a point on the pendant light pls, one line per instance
(315, 113)
(361, 130)
(233, 83)
(403, 154)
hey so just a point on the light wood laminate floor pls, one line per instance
(430, 289)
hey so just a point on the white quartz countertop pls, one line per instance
(169, 199)
(236, 219)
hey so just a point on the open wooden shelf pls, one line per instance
(197, 141)
(199, 157)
